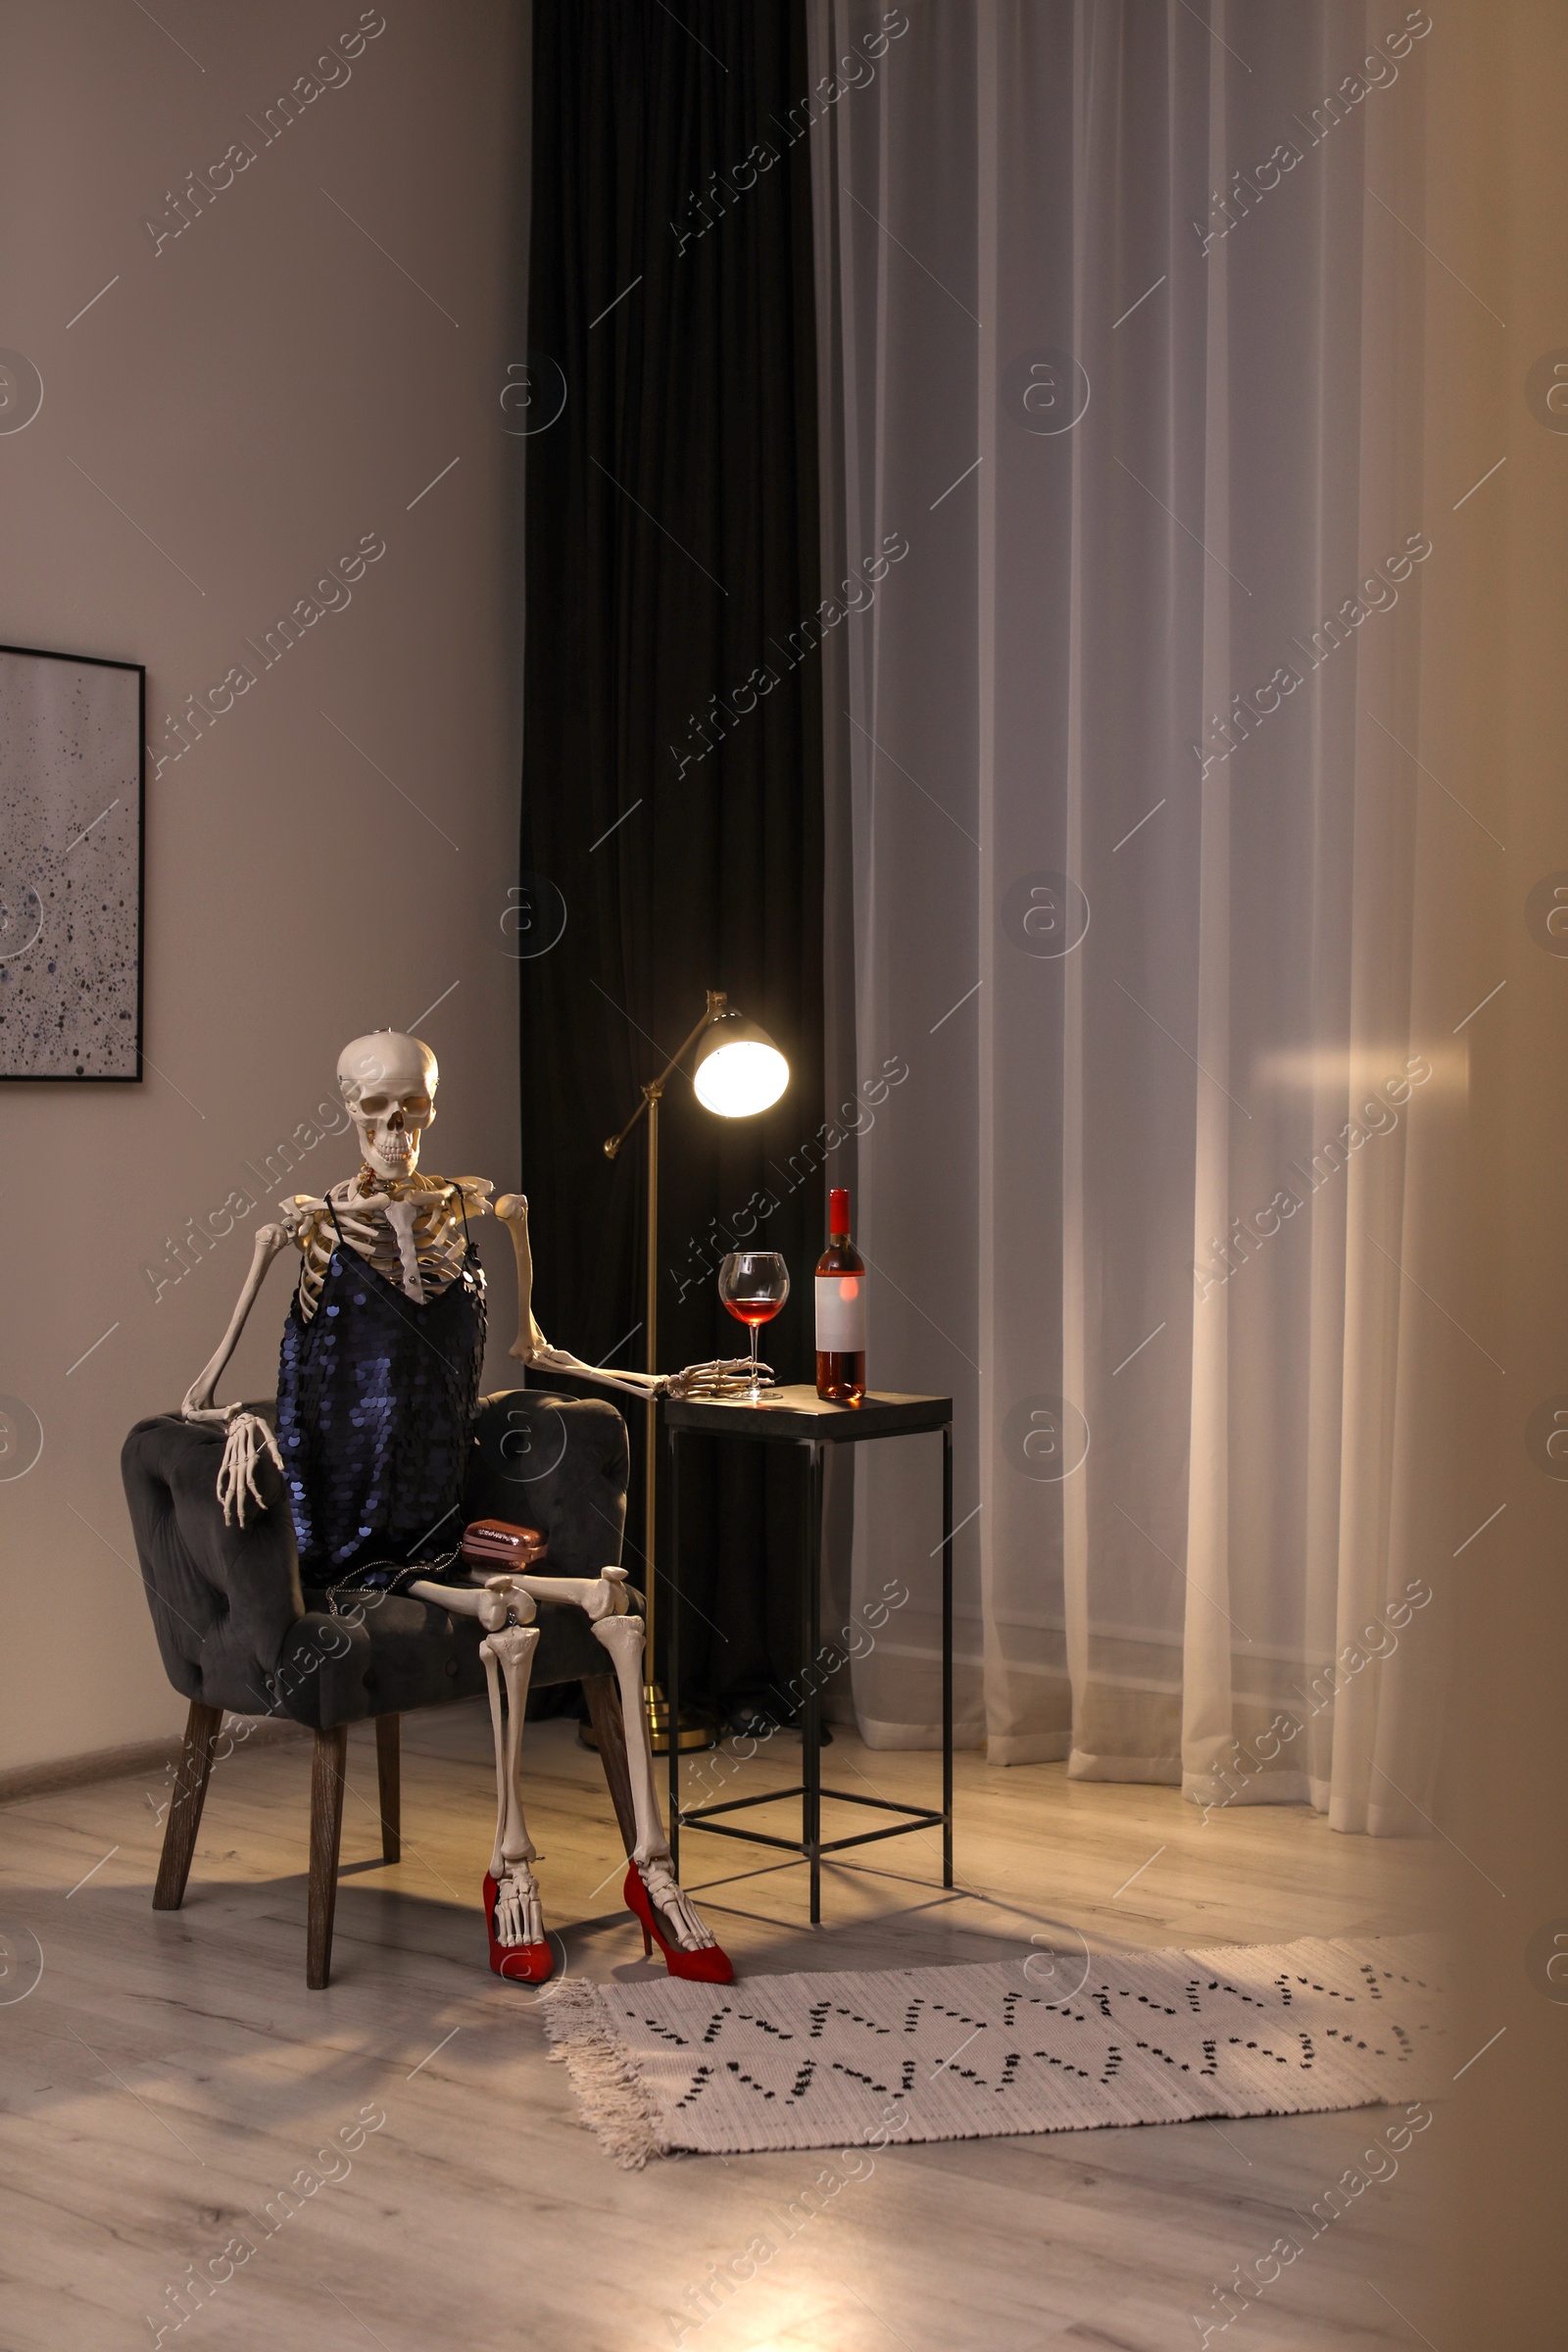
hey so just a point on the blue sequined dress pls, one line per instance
(377, 1401)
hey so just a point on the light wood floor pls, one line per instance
(170, 2073)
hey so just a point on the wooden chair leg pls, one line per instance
(327, 1767)
(610, 1730)
(185, 1805)
(390, 1778)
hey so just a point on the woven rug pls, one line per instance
(862, 2058)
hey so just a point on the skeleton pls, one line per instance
(411, 1229)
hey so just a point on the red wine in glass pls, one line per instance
(753, 1311)
(753, 1285)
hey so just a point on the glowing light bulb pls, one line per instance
(742, 1078)
(741, 1073)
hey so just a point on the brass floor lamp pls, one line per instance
(738, 1072)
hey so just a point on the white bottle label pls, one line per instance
(840, 1314)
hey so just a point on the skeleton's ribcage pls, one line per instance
(438, 1240)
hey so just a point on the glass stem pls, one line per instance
(755, 1385)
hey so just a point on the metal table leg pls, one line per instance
(672, 1651)
(947, 1655)
(810, 1708)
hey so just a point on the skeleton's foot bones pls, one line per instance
(691, 1951)
(519, 1948)
(678, 1913)
(519, 1917)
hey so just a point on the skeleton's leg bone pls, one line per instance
(498, 1729)
(515, 1645)
(519, 1917)
(622, 1637)
(603, 1596)
(495, 1604)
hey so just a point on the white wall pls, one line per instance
(254, 394)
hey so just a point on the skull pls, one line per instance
(389, 1082)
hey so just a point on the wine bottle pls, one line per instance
(840, 1309)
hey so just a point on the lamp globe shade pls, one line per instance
(739, 1070)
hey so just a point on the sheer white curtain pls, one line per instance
(1121, 325)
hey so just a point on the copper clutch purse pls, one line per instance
(498, 1543)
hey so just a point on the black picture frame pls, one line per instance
(135, 1075)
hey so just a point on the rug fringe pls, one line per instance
(604, 2074)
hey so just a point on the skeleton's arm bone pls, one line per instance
(532, 1347)
(198, 1402)
(530, 1342)
(561, 1359)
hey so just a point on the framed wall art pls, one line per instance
(71, 792)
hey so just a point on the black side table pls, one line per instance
(797, 1416)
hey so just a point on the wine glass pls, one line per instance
(753, 1285)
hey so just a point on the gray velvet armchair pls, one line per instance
(239, 1632)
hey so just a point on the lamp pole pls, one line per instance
(659, 1728)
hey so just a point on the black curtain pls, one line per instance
(671, 802)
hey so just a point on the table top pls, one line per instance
(798, 1413)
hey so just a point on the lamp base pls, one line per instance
(693, 1731)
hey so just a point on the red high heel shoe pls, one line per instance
(518, 1963)
(711, 1965)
